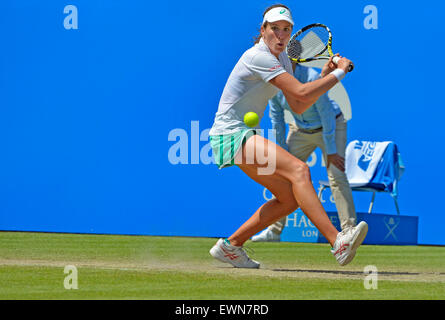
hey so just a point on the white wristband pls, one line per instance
(339, 74)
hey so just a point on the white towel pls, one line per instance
(362, 158)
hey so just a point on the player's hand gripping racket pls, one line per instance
(313, 42)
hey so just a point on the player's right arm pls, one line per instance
(301, 96)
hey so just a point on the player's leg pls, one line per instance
(230, 250)
(289, 168)
(300, 146)
(340, 188)
(296, 172)
(282, 205)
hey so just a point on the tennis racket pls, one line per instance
(313, 42)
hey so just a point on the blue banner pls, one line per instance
(383, 229)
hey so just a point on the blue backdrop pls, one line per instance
(89, 115)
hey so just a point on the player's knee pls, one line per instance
(300, 172)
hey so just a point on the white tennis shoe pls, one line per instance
(236, 256)
(267, 236)
(347, 243)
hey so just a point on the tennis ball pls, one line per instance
(251, 119)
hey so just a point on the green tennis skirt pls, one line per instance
(225, 147)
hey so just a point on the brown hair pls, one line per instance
(258, 38)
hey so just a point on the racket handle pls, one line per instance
(336, 59)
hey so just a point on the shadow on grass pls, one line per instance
(348, 272)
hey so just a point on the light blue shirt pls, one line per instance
(321, 114)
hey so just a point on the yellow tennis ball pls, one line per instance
(251, 119)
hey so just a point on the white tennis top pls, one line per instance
(248, 88)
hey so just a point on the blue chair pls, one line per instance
(385, 179)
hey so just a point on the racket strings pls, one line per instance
(309, 43)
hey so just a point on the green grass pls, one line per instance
(135, 267)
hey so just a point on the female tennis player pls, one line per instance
(258, 76)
